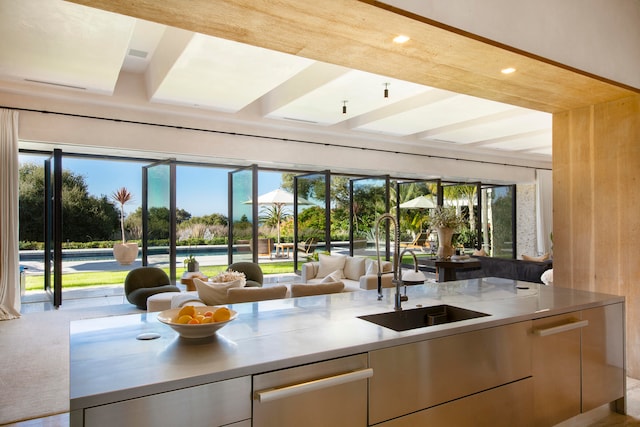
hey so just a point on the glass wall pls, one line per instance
(498, 223)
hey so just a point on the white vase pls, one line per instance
(445, 249)
(125, 253)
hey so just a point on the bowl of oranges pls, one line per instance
(197, 322)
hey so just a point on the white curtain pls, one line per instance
(9, 255)
(544, 210)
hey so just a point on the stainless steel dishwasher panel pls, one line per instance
(417, 376)
(332, 392)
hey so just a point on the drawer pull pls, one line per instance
(561, 328)
(292, 390)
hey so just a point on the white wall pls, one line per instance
(601, 37)
(215, 138)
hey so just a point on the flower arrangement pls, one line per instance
(442, 217)
(228, 276)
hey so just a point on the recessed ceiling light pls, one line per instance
(401, 39)
(508, 70)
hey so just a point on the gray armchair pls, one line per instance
(252, 271)
(143, 282)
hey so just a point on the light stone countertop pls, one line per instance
(108, 363)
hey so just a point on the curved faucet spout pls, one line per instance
(397, 256)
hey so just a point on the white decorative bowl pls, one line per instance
(194, 331)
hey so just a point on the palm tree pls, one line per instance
(122, 196)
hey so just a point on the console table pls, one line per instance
(446, 270)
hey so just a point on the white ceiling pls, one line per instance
(64, 44)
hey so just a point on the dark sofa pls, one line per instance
(516, 269)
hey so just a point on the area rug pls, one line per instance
(34, 367)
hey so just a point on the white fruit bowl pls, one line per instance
(203, 330)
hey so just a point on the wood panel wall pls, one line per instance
(596, 200)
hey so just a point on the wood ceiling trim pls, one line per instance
(357, 34)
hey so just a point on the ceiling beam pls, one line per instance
(358, 35)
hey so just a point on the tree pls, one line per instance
(84, 217)
(122, 196)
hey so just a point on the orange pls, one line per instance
(208, 314)
(222, 314)
(193, 321)
(187, 309)
(184, 319)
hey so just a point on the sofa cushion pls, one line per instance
(329, 264)
(253, 294)
(303, 289)
(354, 267)
(334, 276)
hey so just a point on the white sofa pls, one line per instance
(357, 273)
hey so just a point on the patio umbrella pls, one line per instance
(420, 202)
(279, 198)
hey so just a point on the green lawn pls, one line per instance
(78, 280)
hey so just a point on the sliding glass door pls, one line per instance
(312, 216)
(369, 199)
(499, 220)
(159, 216)
(53, 227)
(243, 215)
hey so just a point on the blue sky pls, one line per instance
(199, 190)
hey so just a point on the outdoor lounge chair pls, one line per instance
(307, 248)
(420, 242)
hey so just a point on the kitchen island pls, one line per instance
(146, 382)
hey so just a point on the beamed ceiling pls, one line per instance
(298, 63)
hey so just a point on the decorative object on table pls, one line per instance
(143, 282)
(200, 330)
(125, 253)
(191, 264)
(446, 221)
(214, 292)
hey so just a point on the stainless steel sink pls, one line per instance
(422, 317)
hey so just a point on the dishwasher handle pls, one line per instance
(543, 332)
(292, 390)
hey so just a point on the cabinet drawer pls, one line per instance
(556, 368)
(506, 406)
(212, 404)
(416, 376)
(321, 394)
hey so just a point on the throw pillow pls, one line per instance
(215, 293)
(329, 263)
(372, 266)
(535, 258)
(334, 276)
(479, 252)
(354, 267)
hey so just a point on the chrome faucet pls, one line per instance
(417, 277)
